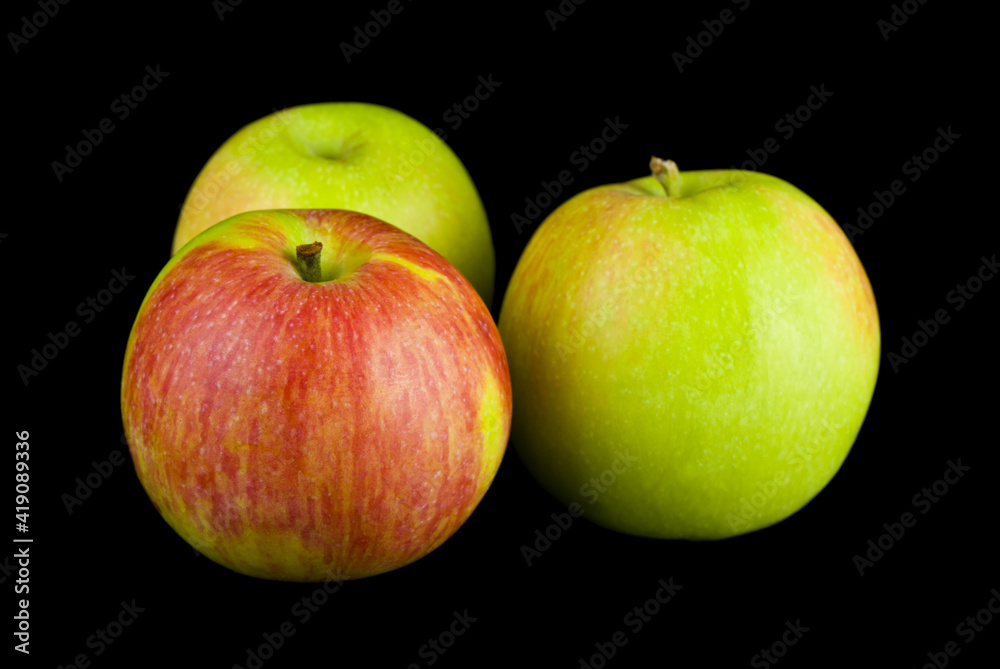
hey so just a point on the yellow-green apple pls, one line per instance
(343, 155)
(692, 354)
(314, 394)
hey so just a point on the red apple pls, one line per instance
(301, 420)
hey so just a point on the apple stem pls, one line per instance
(308, 257)
(667, 174)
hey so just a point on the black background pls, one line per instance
(118, 209)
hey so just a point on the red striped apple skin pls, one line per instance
(310, 431)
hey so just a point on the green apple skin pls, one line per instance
(689, 367)
(348, 155)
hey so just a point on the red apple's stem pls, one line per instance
(308, 257)
(667, 174)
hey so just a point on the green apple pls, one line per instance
(692, 354)
(346, 155)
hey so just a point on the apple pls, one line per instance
(692, 354)
(356, 156)
(314, 395)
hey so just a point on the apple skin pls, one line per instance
(305, 431)
(689, 367)
(348, 155)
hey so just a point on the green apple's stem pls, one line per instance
(308, 257)
(667, 174)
